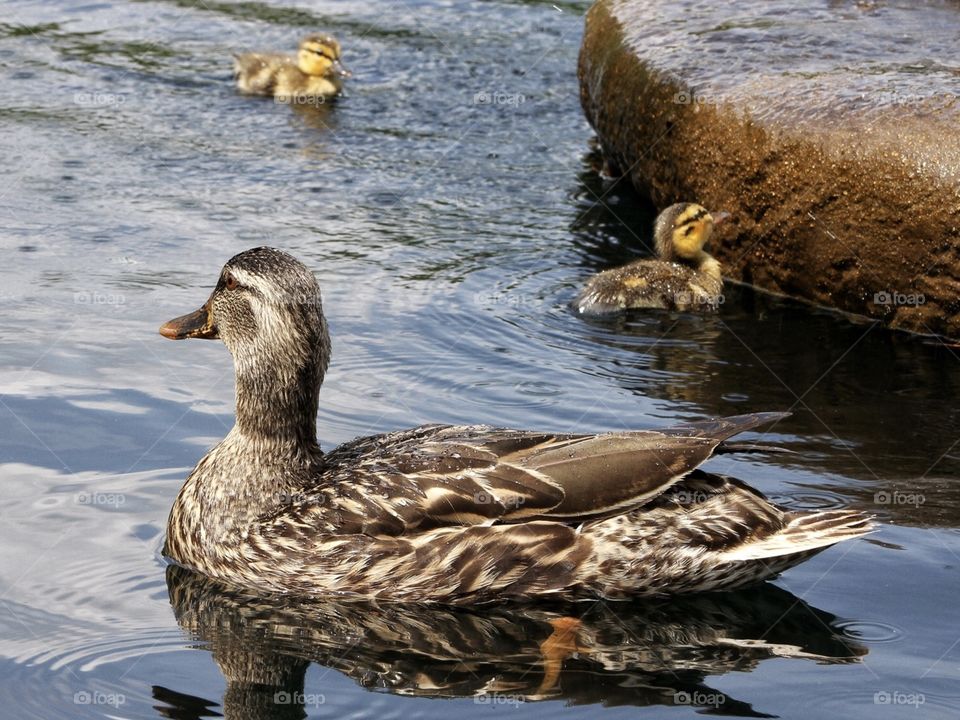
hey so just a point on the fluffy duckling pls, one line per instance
(683, 277)
(315, 72)
(454, 513)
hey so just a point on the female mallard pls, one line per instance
(684, 277)
(314, 74)
(456, 514)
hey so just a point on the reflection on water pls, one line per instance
(654, 653)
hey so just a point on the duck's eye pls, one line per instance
(322, 54)
(230, 281)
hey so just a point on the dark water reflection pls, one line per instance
(655, 653)
(449, 235)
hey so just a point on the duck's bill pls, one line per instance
(198, 324)
(720, 217)
(340, 70)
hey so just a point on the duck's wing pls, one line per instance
(438, 475)
(604, 475)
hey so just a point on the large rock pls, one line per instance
(831, 130)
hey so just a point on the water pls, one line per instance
(449, 205)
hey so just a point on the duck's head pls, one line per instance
(681, 231)
(320, 55)
(266, 308)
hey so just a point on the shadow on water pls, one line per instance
(639, 654)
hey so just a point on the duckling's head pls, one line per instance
(682, 230)
(320, 55)
(266, 308)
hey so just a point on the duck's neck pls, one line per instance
(268, 458)
(277, 407)
(709, 265)
(702, 261)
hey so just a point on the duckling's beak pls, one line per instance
(340, 70)
(198, 324)
(720, 217)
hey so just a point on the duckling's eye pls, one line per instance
(322, 54)
(230, 281)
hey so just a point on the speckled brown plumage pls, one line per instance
(455, 514)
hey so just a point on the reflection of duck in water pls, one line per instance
(682, 277)
(457, 514)
(639, 653)
(313, 75)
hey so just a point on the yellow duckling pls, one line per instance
(314, 74)
(683, 277)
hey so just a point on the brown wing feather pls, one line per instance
(437, 475)
(606, 474)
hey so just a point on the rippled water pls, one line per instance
(451, 205)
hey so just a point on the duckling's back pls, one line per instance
(652, 284)
(256, 73)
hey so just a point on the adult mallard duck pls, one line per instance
(682, 276)
(314, 75)
(455, 514)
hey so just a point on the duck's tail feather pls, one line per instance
(724, 428)
(804, 534)
(727, 448)
(720, 429)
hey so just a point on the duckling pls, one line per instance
(315, 73)
(456, 514)
(684, 277)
